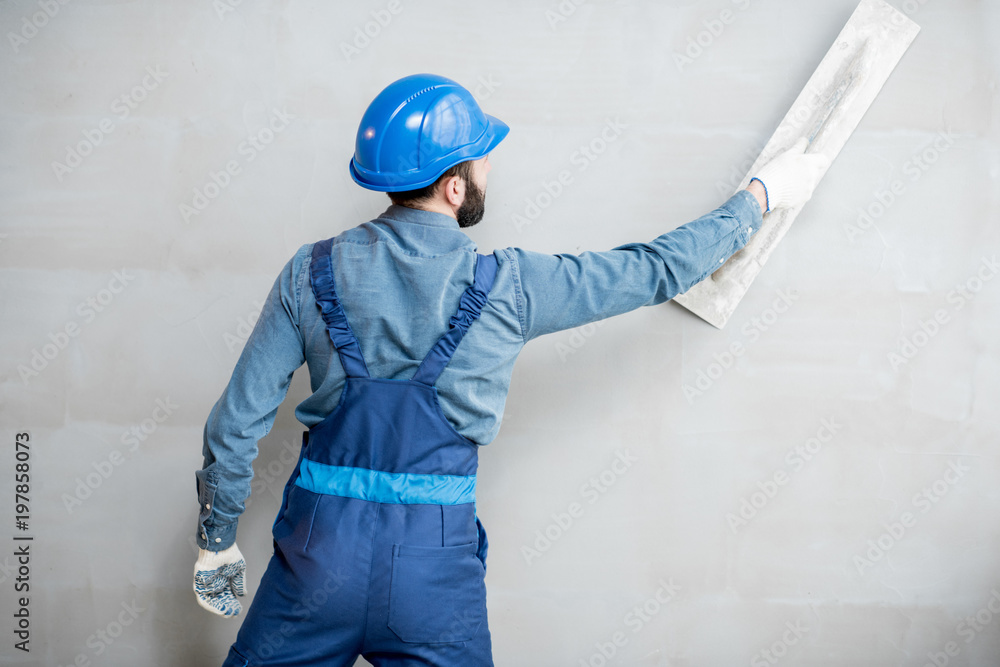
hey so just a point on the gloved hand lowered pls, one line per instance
(790, 178)
(218, 579)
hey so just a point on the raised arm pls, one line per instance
(564, 291)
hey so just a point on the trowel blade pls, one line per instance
(826, 112)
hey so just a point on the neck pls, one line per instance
(436, 206)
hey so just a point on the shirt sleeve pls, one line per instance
(564, 291)
(245, 412)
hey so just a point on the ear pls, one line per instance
(454, 190)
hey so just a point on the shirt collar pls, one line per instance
(421, 217)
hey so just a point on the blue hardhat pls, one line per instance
(416, 129)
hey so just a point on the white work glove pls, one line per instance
(218, 579)
(790, 178)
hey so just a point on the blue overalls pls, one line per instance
(377, 547)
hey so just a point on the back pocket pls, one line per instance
(437, 594)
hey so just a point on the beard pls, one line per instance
(472, 209)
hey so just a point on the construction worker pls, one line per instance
(410, 336)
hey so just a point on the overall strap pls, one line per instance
(321, 278)
(469, 308)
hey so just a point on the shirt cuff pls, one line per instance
(210, 535)
(746, 209)
(216, 538)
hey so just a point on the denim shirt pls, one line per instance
(399, 278)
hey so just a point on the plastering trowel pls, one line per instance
(826, 112)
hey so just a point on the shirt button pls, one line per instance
(203, 536)
(749, 229)
(207, 506)
(722, 260)
(218, 539)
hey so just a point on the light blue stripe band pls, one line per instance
(386, 487)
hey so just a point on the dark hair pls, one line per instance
(411, 197)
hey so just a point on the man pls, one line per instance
(411, 336)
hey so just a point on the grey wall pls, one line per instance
(173, 300)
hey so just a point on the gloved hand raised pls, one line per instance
(792, 176)
(218, 579)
